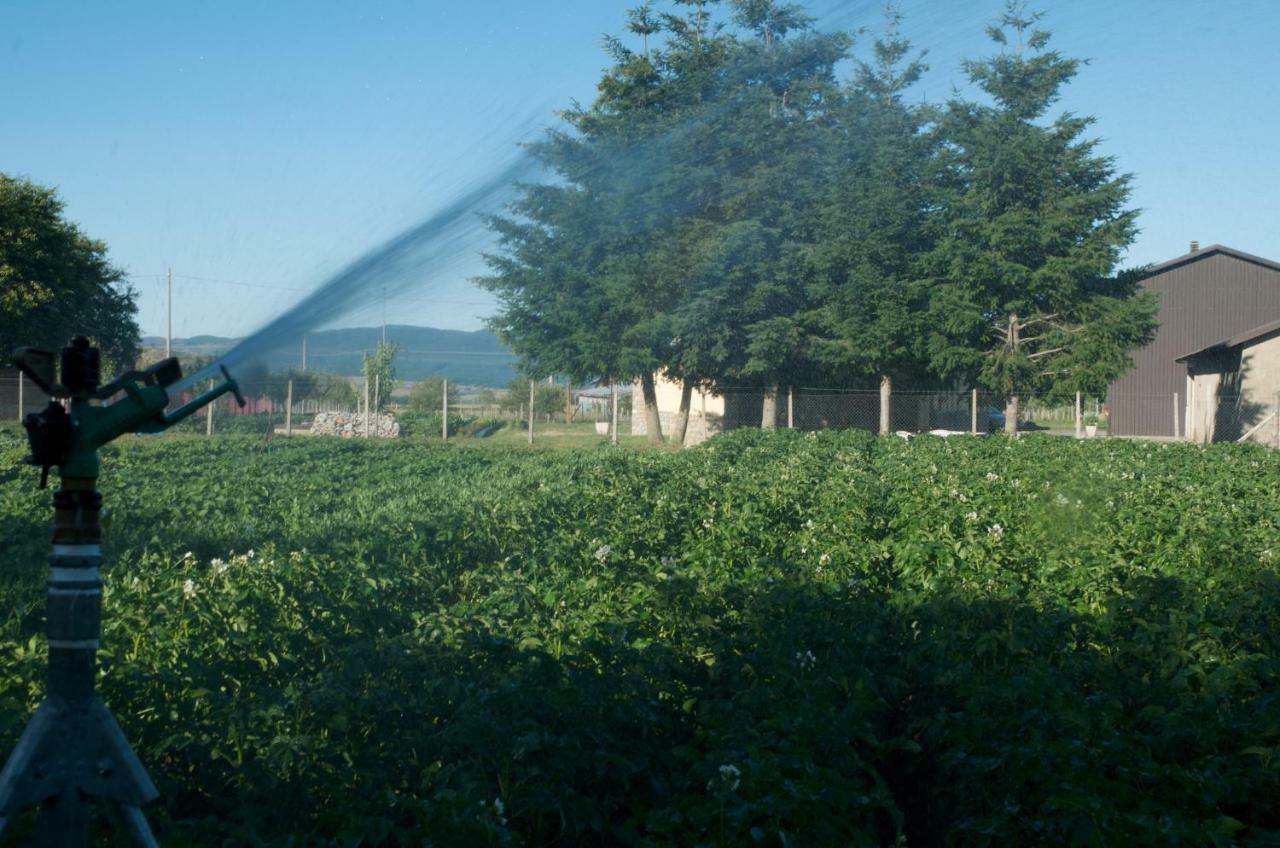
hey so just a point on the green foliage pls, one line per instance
(727, 211)
(548, 399)
(1026, 296)
(56, 282)
(380, 374)
(427, 396)
(843, 640)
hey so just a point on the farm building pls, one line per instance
(1233, 388)
(1208, 297)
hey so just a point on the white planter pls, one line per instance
(1091, 430)
(602, 428)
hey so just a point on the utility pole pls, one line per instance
(168, 324)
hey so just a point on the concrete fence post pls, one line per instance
(613, 412)
(973, 412)
(886, 398)
(531, 389)
(1079, 416)
(288, 410)
(791, 408)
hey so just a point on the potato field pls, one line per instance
(774, 639)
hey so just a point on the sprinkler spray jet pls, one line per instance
(72, 751)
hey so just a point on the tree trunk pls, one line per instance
(1011, 408)
(652, 418)
(769, 412)
(886, 397)
(682, 417)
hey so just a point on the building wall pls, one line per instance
(1204, 298)
(1230, 393)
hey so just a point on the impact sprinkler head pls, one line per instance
(69, 436)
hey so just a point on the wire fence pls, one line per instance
(273, 404)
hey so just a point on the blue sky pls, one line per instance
(265, 144)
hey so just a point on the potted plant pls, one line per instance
(1091, 422)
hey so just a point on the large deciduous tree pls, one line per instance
(56, 282)
(1024, 295)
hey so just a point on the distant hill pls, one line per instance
(472, 358)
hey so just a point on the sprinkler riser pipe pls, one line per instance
(74, 619)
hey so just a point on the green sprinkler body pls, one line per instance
(73, 751)
(70, 439)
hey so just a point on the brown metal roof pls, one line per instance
(1205, 252)
(1235, 341)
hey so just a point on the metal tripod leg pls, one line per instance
(69, 755)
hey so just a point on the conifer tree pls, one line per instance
(1024, 286)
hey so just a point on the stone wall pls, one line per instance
(351, 424)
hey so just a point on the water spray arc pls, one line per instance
(73, 751)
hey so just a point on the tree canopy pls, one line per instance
(733, 209)
(56, 282)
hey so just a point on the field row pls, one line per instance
(820, 639)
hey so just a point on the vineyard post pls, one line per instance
(208, 420)
(531, 388)
(613, 413)
(973, 412)
(366, 408)
(444, 407)
(1079, 416)
(288, 410)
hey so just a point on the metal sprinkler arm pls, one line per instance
(228, 385)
